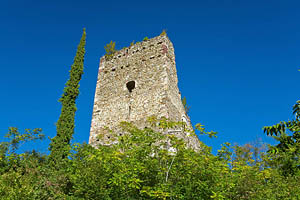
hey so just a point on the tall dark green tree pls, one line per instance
(60, 144)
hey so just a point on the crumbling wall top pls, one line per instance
(161, 41)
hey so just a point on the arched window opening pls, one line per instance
(130, 85)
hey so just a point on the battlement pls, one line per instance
(135, 83)
(138, 55)
(148, 49)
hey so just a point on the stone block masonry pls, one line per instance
(134, 84)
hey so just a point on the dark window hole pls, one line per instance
(130, 85)
(127, 65)
(152, 57)
(159, 43)
(122, 67)
(114, 69)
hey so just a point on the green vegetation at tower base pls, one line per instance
(139, 166)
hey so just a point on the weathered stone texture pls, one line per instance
(151, 65)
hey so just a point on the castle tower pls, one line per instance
(138, 82)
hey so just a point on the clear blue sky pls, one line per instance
(237, 61)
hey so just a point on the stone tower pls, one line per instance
(138, 82)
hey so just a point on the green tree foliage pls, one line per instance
(110, 49)
(141, 166)
(16, 139)
(60, 144)
(8, 156)
(164, 32)
(286, 154)
(131, 43)
(201, 131)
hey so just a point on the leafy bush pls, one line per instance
(110, 49)
(141, 167)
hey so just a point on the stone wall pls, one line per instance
(137, 82)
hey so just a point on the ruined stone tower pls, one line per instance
(138, 82)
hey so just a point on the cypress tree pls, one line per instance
(60, 144)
